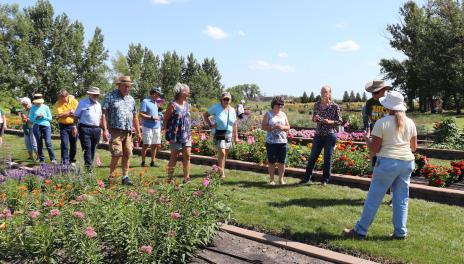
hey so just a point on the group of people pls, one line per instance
(391, 137)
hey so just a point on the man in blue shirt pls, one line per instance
(88, 117)
(151, 125)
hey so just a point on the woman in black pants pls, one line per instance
(327, 116)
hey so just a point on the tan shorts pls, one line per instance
(120, 143)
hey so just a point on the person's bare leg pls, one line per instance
(186, 162)
(271, 169)
(222, 161)
(172, 163)
(144, 153)
(281, 169)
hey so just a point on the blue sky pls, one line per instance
(284, 46)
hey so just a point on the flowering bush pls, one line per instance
(57, 219)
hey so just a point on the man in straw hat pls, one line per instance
(151, 125)
(65, 108)
(41, 117)
(373, 108)
(87, 121)
(119, 117)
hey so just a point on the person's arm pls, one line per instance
(137, 126)
(167, 115)
(104, 126)
(62, 113)
(337, 118)
(235, 132)
(265, 123)
(413, 144)
(374, 144)
(48, 115)
(5, 122)
(206, 116)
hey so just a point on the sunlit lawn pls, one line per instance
(316, 215)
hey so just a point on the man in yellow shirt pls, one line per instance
(65, 107)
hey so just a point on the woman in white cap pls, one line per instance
(29, 139)
(224, 127)
(394, 139)
(41, 117)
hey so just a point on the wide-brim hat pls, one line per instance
(93, 90)
(38, 99)
(226, 95)
(156, 90)
(376, 85)
(124, 79)
(393, 101)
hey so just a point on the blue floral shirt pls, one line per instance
(120, 110)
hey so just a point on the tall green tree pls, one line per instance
(346, 97)
(304, 98)
(94, 70)
(311, 97)
(171, 72)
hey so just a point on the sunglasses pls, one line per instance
(280, 104)
(226, 99)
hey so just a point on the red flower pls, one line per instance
(196, 150)
(351, 163)
(438, 182)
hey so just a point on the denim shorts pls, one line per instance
(224, 143)
(179, 146)
(276, 152)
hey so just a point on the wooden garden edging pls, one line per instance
(429, 193)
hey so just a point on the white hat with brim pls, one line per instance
(93, 90)
(393, 101)
(38, 99)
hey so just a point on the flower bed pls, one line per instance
(61, 216)
(348, 158)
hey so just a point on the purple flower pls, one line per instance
(54, 213)
(47, 203)
(34, 214)
(206, 182)
(175, 215)
(79, 215)
(90, 232)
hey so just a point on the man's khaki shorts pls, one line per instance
(120, 143)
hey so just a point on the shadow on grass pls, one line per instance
(316, 203)
(260, 184)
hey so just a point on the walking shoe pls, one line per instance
(352, 234)
(54, 162)
(186, 180)
(126, 181)
(324, 184)
(272, 183)
(142, 164)
(304, 182)
(153, 164)
(392, 236)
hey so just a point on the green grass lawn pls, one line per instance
(316, 215)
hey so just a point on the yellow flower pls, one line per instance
(2, 226)
(22, 188)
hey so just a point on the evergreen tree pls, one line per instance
(311, 97)
(358, 97)
(304, 99)
(364, 97)
(352, 96)
(346, 97)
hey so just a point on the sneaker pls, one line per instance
(272, 183)
(304, 182)
(142, 164)
(392, 236)
(283, 182)
(352, 234)
(324, 184)
(153, 164)
(126, 181)
(54, 162)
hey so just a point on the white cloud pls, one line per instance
(264, 65)
(161, 2)
(346, 46)
(241, 33)
(341, 25)
(215, 32)
(282, 54)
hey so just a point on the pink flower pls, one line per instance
(171, 233)
(175, 215)
(206, 182)
(197, 193)
(151, 191)
(81, 198)
(251, 140)
(6, 213)
(216, 168)
(47, 203)
(146, 249)
(90, 232)
(133, 196)
(101, 184)
(34, 214)
(203, 137)
(55, 213)
(79, 215)
(98, 161)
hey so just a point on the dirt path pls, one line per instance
(231, 249)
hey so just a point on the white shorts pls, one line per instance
(151, 136)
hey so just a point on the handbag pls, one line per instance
(220, 134)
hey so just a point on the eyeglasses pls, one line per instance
(226, 99)
(280, 104)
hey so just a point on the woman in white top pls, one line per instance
(394, 139)
(275, 122)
